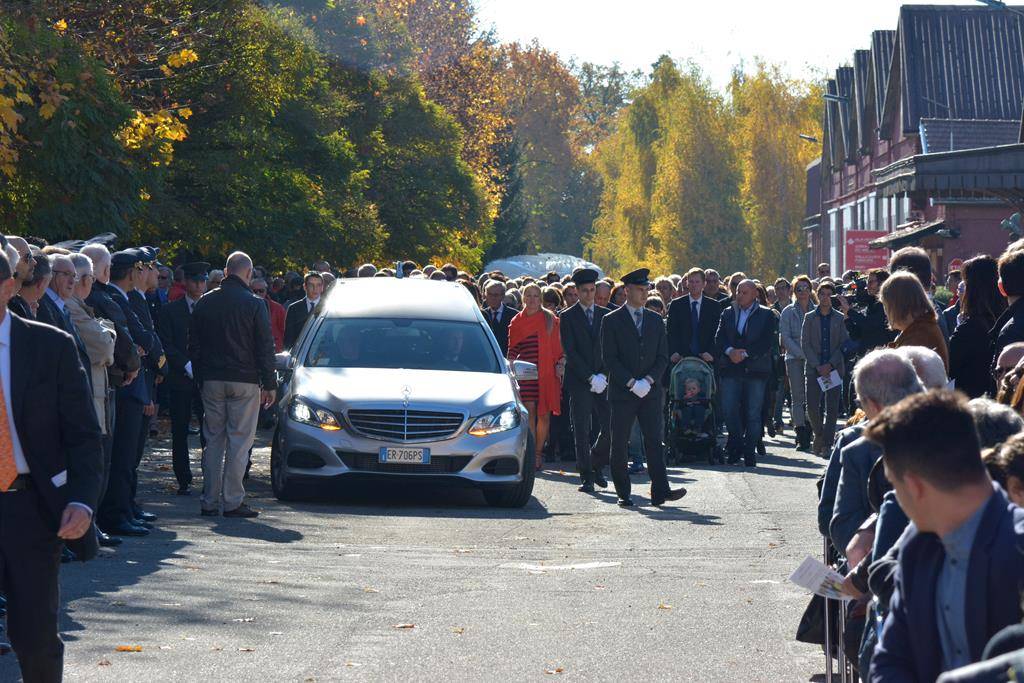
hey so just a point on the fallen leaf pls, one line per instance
(247, 649)
(599, 588)
(405, 626)
(462, 551)
(370, 590)
(103, 662)
(557, 670)
(216, 648)
(458, 630)
(352, 664)
(129, 648)
(662, 605)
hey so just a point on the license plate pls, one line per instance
(409, 456)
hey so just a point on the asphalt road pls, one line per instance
(401, 584)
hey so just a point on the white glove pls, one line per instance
(598, 383)
(641, 387)
(188, 369)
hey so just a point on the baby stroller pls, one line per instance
(689, 441)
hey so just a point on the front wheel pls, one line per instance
(518, 495)
(284, 487)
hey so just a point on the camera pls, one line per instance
(856, 291)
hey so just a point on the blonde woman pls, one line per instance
(910, 312)
(534, 336)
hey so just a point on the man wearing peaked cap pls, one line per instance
(586, 381)
(634, 349)
(153, 365)
(184, 392)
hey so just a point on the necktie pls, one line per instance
(695, 320)
(494, 317)
(309, 307)
(639, 315)
(590, 317)
(8, 468)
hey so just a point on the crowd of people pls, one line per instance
(918, 500)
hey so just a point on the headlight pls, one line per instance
(500, 420)
(308, 414)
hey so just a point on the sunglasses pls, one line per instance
(260, 290)
(802, 289)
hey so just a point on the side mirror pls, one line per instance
(283, 361)
(524, 371)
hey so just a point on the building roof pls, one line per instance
(862, 99)
(847, 112)
(964, 62)
(882, 45)
(946, 135)
(987, 171)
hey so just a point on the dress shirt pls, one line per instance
(951, 592)
(588, 313)
(55, 299)
(691, 301)
(123, 293)
(741, 323)
(191, 303)
(632, 317)
(5, 376)
(496, 313)
(311, 304)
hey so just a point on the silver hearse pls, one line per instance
(402, 379)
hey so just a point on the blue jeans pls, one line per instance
(743, 401)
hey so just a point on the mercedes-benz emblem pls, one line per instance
(406, 393)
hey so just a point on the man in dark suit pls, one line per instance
(1009, 328)
(300, 311)
(693, 321)
(743, 346)
(154, 365)
(184, 394)
(634, 348)
(116, 515)
(586, 381)
(51, 468)
(496, 313)
(52, 309)
(960, 569)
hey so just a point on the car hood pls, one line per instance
(343, 388)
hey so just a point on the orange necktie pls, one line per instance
(8, 468)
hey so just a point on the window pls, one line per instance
(405, 343)
(833, 241)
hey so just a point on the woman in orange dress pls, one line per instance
(534, 336)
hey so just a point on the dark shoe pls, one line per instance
(106, 540)
(770, 429)
(243, 511)
(636, 469)
(780, 428)
(184, 490)
(760, 448)
(145, 516)
(673, 494)
(66, 556)
(732, 459)
(144, 524)
(586, 487)
(625, 502)
(208, 513)
(126, 529)
(599, 479)
(193, 431)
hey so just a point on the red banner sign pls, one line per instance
(861, 257)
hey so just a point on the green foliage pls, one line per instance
(72, 177)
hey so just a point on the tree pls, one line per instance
(771, 113)
(510, 225)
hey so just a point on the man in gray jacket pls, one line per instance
(822, 338)
(791, 325)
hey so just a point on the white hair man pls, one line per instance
(928, 364)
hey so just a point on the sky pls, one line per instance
(805, 36)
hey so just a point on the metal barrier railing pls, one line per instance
(836, 609)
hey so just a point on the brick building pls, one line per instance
(922, 141)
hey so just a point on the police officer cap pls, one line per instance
(585, 276)
(637, 277)
(196, 271)
(149, 254)
(126, 258)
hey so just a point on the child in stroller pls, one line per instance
(692, 409)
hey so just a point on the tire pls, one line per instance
(519, 495)
(285, 489)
